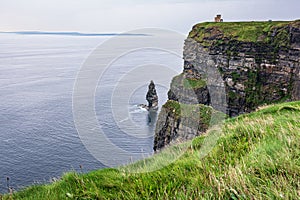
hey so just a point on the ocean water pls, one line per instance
(38, 137)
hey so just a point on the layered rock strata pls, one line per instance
(234, 68)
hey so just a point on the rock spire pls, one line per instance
(152, 97)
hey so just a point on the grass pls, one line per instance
(187, 83)
(257, 156)
(186, 110)
(266, 38)
(241, 31)
(194, 115)
(194, 83)
(186, 118)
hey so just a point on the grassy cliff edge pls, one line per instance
(257, 157)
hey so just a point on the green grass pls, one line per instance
(241, 31)
(187, 83)
(194, 115)
(194, 83)
(185, 110)
(268, 37)
(257, 156)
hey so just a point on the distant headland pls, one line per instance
(71, 33)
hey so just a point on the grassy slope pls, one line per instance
(257, 157)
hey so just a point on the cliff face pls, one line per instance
(234, 68)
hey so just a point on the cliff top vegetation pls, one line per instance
(241, 31)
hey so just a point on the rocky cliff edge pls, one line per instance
(231, 67)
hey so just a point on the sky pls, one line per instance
(116, 16)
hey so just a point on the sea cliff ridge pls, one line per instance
(255, 63)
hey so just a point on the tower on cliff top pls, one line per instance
(218, 18)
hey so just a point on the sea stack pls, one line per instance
(152, 97)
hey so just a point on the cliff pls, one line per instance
(231, 67)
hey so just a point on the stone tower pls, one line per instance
(218, 18)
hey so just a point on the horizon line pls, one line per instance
(71, 33)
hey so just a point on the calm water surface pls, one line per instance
(38, 138)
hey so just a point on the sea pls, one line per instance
(40, 139)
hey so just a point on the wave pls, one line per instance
(137, 109)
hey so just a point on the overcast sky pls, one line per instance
(125, 15)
